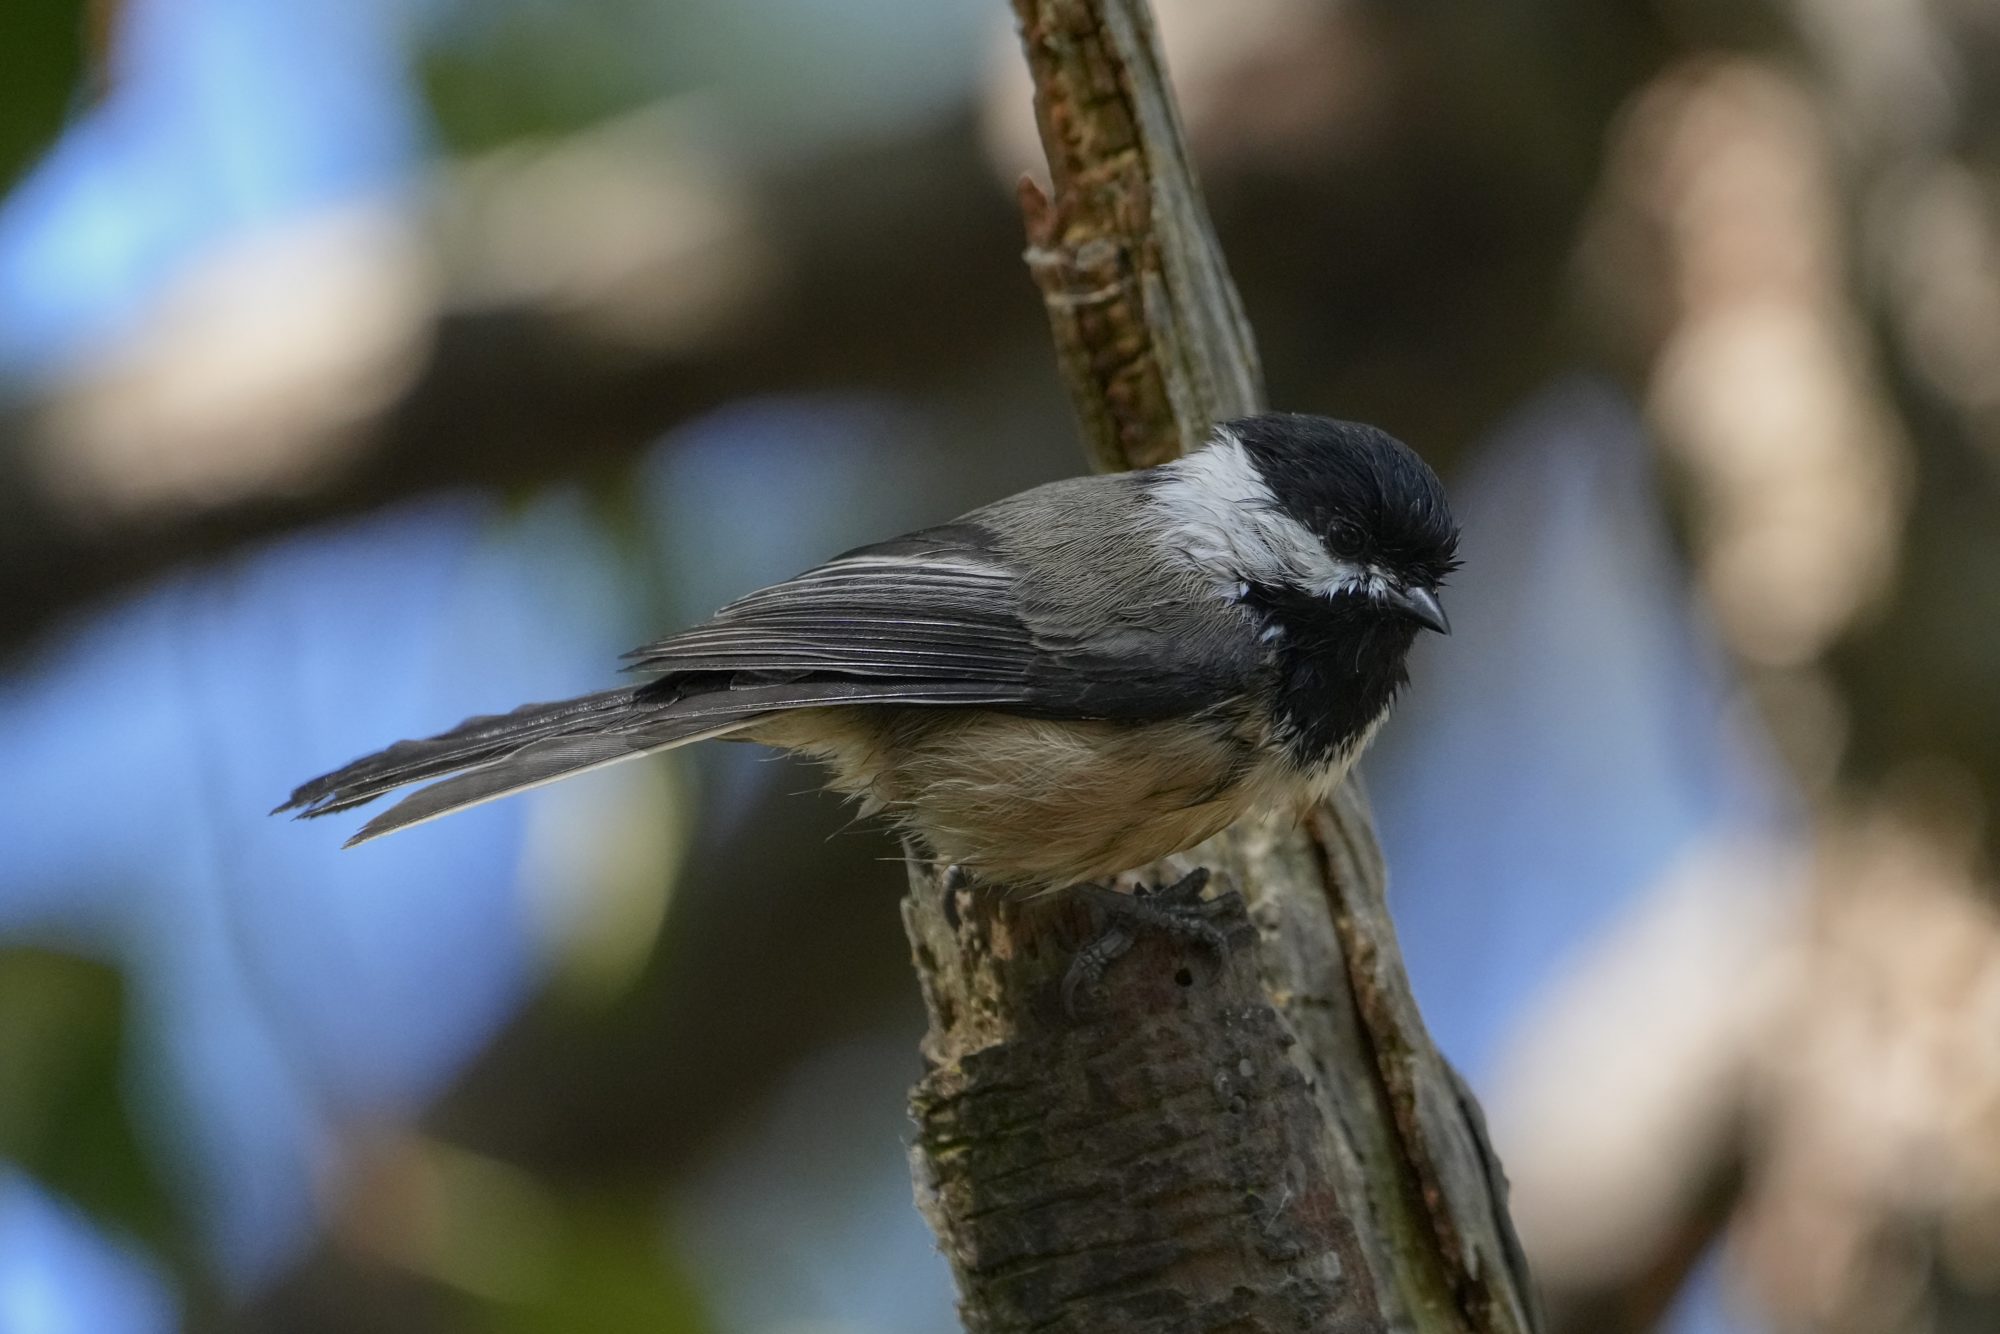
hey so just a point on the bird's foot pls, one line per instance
(1176, 910)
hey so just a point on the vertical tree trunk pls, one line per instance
(1274, 1147)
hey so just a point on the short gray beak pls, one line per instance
(1420, 605)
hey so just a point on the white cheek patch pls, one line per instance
(1217, 513)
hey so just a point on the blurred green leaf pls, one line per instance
(611, 1274)
(63, 1116)
(517, 1253)
(523, 69)
(41, 66)
(570, 1263)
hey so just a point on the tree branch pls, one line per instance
(1279, 1147)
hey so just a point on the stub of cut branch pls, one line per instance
(1157, 1163)
(1149, 331)
(1276, 1146)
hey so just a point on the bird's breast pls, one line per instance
(1038, 804)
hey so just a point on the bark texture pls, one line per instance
(1276, 1146)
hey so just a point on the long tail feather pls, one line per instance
(538, 763)
(476, 741)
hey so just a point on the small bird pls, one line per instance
(1050, 690)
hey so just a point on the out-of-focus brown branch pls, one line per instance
(857, 291)
(1280, 1146)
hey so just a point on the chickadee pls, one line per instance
(1053, 689)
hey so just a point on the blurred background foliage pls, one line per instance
(65, 1119)
(366, 365)
(43, 66)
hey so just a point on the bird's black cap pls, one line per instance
(1365, 494)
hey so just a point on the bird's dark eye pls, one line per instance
(1345, 546)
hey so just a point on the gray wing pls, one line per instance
(1037, 607)
(937, 607)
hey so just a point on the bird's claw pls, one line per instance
(1177, 910)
